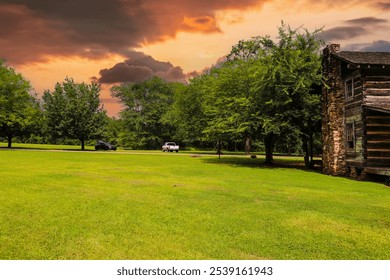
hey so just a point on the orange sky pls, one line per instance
(130, 40)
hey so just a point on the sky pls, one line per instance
(121, 41)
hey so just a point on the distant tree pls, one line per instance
(19, 110)
(112, 130)
(75, 111)
(186, 113)
(145, 104)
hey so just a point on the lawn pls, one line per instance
(112, 205)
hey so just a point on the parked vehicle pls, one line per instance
(101, 145)
(170, 147)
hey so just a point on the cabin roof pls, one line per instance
(372, 58)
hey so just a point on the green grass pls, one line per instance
(46, 146)
(110, 205)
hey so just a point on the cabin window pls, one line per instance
(349, 88)
(350, 135)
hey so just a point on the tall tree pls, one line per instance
(74, 110)
(145, 105)
(19, 110)
(230, 106)
(293, 69)
(285, 74)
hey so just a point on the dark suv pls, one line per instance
(101, 145)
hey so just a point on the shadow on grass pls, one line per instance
(44, 149)
(285, 162)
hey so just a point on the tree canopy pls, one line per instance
(286, 73)
(74, 110)
(19, 110)
(145, 104)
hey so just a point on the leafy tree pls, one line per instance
(293, 69)
(230, 106)
(145, 105)
(19, 111)
(285, 74)
(75, 111)
(112, 130)
(190, 118)
(185, 114)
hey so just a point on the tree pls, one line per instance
(145, 105)
(285, 73)
(230, 106)
(293, 69)
(186, 114)
(19, 110)
(74, 110)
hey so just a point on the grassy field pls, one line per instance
(110, 205)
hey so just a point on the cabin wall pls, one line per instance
(354, 156)
(378, 139)
(377, 95)
(377, 88)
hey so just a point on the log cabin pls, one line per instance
(355, 112)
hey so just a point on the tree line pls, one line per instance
(264, 97)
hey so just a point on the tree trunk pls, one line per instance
(219, 148)
(82, 144)
(269, 148)
(305, 149)
(308, 149)
(311, 151)
(248, 145)
(9, 138)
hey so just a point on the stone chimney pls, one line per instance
(334, 48)
(332, 100)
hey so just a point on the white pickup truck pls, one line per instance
(170, 147)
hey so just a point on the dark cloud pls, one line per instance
(123, 72)
(342, 33)
(139, 67)
(354, 28)
(382, 5)
(366, 21)
(35, 30)
(376, 46)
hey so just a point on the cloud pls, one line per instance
(343, 32)
(382, 5)
(139, 67)
(37, 30)
(206, 24)
(376, 46)
(354, 28)
(366, 21)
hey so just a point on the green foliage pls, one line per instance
(19, 111)
(229, 105)
(286, 74)
(74, 110)
(145, 103)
